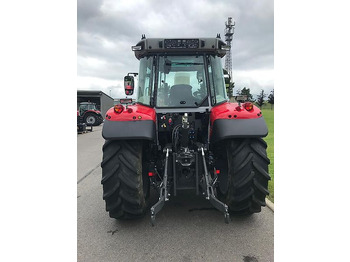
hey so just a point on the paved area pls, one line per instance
(89, 151)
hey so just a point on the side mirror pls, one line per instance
(227, 79)
(129, 85)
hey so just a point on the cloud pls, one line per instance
(107, 29)
(88, 10)
(255, 80)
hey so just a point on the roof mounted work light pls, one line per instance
(136, 48)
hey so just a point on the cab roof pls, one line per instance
(152, 46)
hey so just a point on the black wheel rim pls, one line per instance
(90, 120)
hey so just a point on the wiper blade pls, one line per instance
(187, 63)
(202, 102)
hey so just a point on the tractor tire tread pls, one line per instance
(122, 179)
(247, 175)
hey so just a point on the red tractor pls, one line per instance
(182, 133)
(89, 113)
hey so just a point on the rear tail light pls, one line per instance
(248, 106)
(118, 108)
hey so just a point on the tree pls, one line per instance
(230, 89)
(260, 98)
(271, 98)
(246, 92)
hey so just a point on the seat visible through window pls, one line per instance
(181, 95)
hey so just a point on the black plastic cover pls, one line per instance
(120, 130)
(238, 128)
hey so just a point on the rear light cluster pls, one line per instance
(248, 106)
(119, 108)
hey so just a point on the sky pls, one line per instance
(107, 29)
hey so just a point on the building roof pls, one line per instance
(91, 93)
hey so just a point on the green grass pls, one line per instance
(268, 115)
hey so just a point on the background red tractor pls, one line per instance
(90, 114)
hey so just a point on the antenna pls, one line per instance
(229, 28)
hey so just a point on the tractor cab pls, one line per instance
(87, 106)
(181, 73)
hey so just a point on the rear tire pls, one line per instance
(91, 119)
(99, 120)
(125, 182)
(243, 178)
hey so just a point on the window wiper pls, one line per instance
(187, 63)
(202, 102)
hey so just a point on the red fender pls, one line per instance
(233, 111)
(136, 112)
